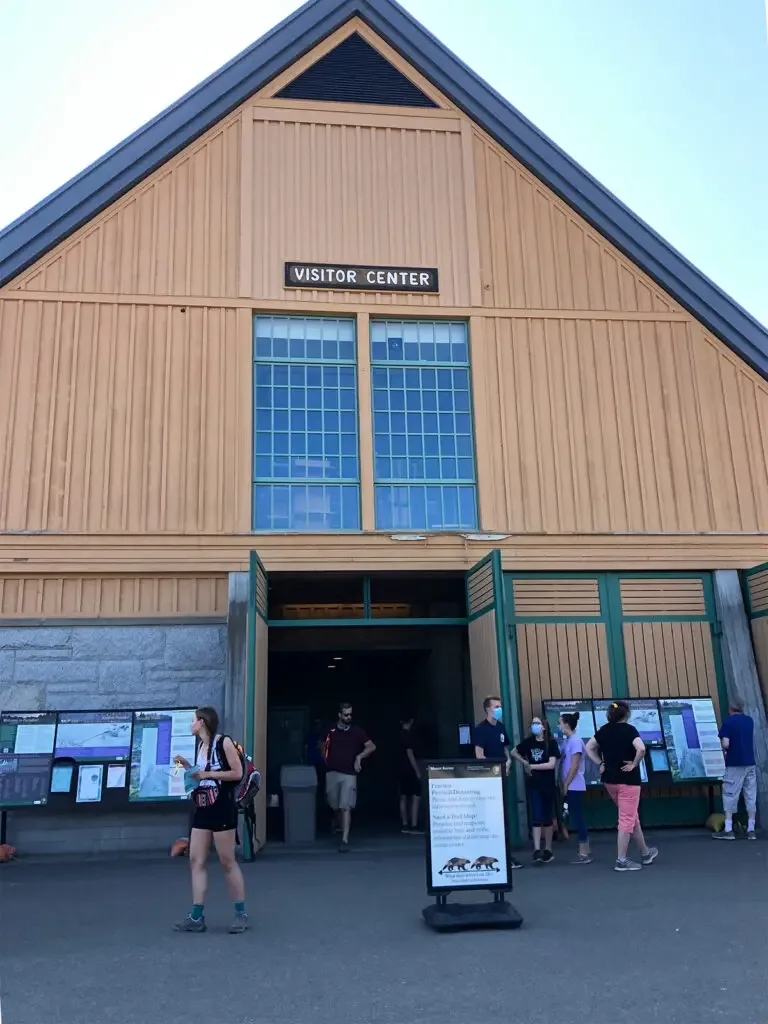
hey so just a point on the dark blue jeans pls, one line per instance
(575, 801)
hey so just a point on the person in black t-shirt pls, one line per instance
(618, 750)
(492, 740)
(538, 754)
(410, 778)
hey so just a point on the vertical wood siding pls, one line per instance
(140, 420)
(259, 753)
(357, 193)
(484, 661)
(559, 661)
(670, 659)
(536, 253)
(591, 426)
(93, 597)
(175, 234)
(760, 639)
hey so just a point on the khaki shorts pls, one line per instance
(341, 791)
(737, 780)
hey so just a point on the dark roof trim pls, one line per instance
(48, 223)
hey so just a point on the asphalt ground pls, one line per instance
(337, 939)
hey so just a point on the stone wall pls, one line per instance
(79, 668)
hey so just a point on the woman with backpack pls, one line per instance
(217, 770)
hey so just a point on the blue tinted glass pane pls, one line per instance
(394, 349)
(330, 349)
(432, 469)
(298, 400)
(348, 399)
(298, 419)
(281, 419)
(383, 508)
(397, 422)
(297, 468)
(332, 444)
(350, 508)
(297, 375)
(444, 401)
(413, 400)
(381, 444)
(349, 422)
(280, 375)
(314, 398)
(263, 419)
(431, 444)
(415, 444)
(347, 351)
(380, 401)
(381, 422)
(429, 401)
(263, 443)
(263, 348)
(379, 351)
(263, 466)
(330, 398)
(280, 398)
(348, 444)
(262, 507)
(331, 470)
(466, 469)
(448, 469)
(280, 508)
(416, 469)
(280, 442)
(418, 508)
(280, 348)
(263, 375)
(331, 376)
(399, 469)
(298, 444)
(397, 400)
(463, 445)
(296, 348)
(434, 508)
(314, 376)
(383, 468)
(461, 401)
(314, 420)
(315, 444)
(397, 377)
(467, 507)
(451, 508)
(399, 444)
(447, 445)
(349, 468)
(331, 421)
(263, 398)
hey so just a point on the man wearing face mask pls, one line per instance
(492, 740)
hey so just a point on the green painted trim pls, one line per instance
(483, 611)
(610, 602)
(755, 569)
(250, 673)
(328, 623)
(366, 596)
(753, 615)
(503, 657)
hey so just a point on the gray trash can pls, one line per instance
(299, 785)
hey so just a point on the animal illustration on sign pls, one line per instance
(455, 864)
(489, 863)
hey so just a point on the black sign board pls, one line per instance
(343, 277)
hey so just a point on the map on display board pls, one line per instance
(467, 845)
(691, 734)
(158, 736)
(644, 717)
(94, 735)
(26, 756)
(585, 729)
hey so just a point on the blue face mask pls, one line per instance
(498, 714)
(537, 729)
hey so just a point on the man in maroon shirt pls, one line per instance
(345, 748)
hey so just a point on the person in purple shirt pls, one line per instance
(573, 782)
(737, 736)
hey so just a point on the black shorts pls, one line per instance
(220, 816)
(409, 784)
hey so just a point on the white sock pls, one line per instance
(729, 826)
(750, 825)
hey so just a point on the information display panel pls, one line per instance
(87, 736)
(26, 756)
(585, 730)
(467, 841)
(691, 734)
(644, 717)
(158, 736)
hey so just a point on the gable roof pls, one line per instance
(55, 218)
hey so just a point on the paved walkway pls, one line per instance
(339, 940)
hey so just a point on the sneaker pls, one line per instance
(650, 857)
(751, 834)
(583, 858)
(190, 924)
(416, 831)
(404, 830)
(729, 836)
(627, 865)
(344, 846)
(537, 857)
(547, 857)
(239, 925)
(514, 864)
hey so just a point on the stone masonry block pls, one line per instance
(197, 694)
(21, 637)
(44, 654)
(195, 647)
(116, 643)
(22, 697)
(57, 672)
(121, 675)
(7, 662)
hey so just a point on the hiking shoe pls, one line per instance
(751, 834)
(239, 925)
(190, 924)
(537, 858)
(514, 864)
(729, 836)
(344, 846)
(650, 857)
(627, 865)
(583, 858)
(547, 857)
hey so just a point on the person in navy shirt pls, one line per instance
(492, 740)
(737, 735)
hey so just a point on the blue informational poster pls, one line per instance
(158, 737)
(691, 734)
(94, 735)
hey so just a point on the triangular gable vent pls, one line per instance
(355, 72)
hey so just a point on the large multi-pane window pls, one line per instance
(306, 464)
(424, 464)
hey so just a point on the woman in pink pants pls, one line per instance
(618, 750)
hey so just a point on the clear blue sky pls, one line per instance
(664, 101)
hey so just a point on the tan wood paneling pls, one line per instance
(94, 597)
(484, 661)
(670, 659)
(140, 423)
(760, 639)
(536, 252)
(662, 596)
(177, 233)
(757, 585)
(58, 554)
(480, 589)
(559, 661)
(595, 427)
(557, 597)
(345, 187)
